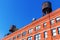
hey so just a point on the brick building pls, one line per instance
(44, 28)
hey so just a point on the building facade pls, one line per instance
(45, 28)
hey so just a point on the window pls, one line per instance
(58, 30)
(24, 33)
(37, 27)
(37, 37)
(58, 19)
(10, 39)
(23, 39)
(45, 34)
(30, 31)
(14, 38)
(52, 21)
(18, 36)
(45, 24)
(30, 38)
(54, 32)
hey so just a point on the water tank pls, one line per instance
(46, 7)
(13, 28)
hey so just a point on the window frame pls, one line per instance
(45, 34)
(45, 24)
(23, 39)
(14, 38)
(29, 37)
(30, 30)
(52, 21)
(24, 33)
(10, 39)
(19, 35)
(58, 20)
(37, 36)
(54, 33)
(37, 27)
(58, 30)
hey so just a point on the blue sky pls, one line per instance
(21, 12)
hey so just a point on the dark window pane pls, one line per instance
(24, 33)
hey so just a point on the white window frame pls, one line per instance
(58, 19)
(45, 34)
(30, 30)
(30, 38)
(58, 30)
(38, 27)
(44, 24)
(38, 36)
(54, 32)
(52, 21)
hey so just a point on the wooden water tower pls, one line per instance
(46, 8)
(13, 29)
